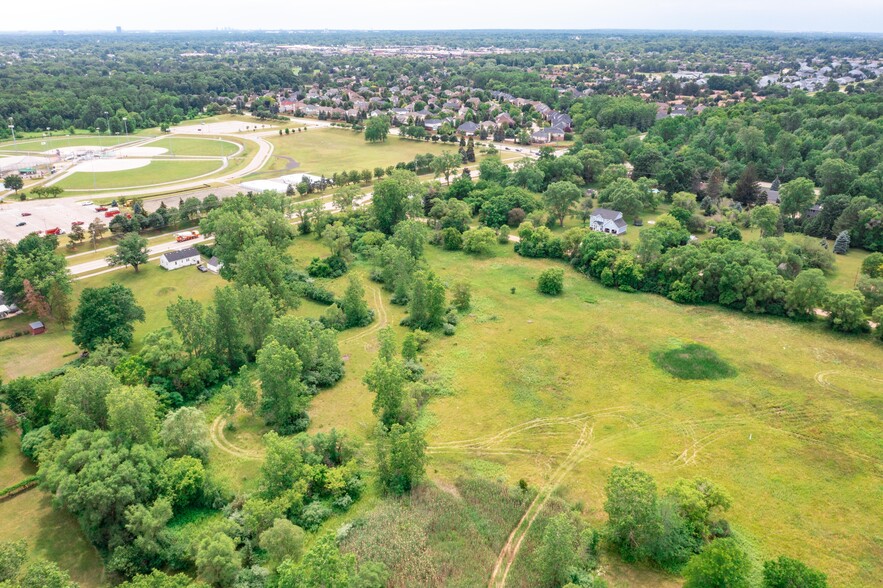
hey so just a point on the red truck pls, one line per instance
(186, 236)
(54, 231)
(111, 213)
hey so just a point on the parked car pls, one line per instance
(78, 223)
(87, 203)
(202, 268)
(21, 224)
(26, 214)
(100, 208)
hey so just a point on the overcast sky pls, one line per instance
(776, 15)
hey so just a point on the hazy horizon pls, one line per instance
(811, 16)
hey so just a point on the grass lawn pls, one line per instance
(188, 146)
(330, 150)
(29, 355)
(156, 172)
(14, 467)
(60, 142)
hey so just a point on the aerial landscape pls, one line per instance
(479, 299)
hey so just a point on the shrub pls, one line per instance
(35, 441)
(333, 318)
(479, 241)
(877, 317)
(330, 267)
(872, 266)
(452, 239)
(448, 329)
(841, 244)
(462, 296)
(551, 282)
(314, 514)
(503, 235)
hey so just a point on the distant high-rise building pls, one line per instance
(119, 29)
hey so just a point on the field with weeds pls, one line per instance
(556, 391)
(793, 430)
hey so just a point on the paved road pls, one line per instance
(153, 251)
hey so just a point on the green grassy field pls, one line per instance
(326, 151)
(58, 142)
(791, 436)
(156, 172)
(190, 146)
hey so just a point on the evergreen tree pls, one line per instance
(841, 244)
(747, 190)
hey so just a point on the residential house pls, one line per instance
(433, 124)
(468, 129)
(605, 220)
(504, 118)
(177, 259)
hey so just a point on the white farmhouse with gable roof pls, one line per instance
(177, 259)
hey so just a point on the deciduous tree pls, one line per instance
(106, 314)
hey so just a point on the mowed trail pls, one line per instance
(381, 318)
(216, 433)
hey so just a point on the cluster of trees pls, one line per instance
(771, 276)
(16, 572)
(400, 390)
(682, 530)
(35, 277)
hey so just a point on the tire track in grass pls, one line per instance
(382, 317)
(216, 433)
(513, 544)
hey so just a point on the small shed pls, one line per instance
(37, 328)
(214, 265)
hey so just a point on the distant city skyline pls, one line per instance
(856, 16)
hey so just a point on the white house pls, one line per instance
(177, 259)
(214, 265)
(604, 220)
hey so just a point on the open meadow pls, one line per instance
(556, 391)
(791, 436)
(329, 150)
